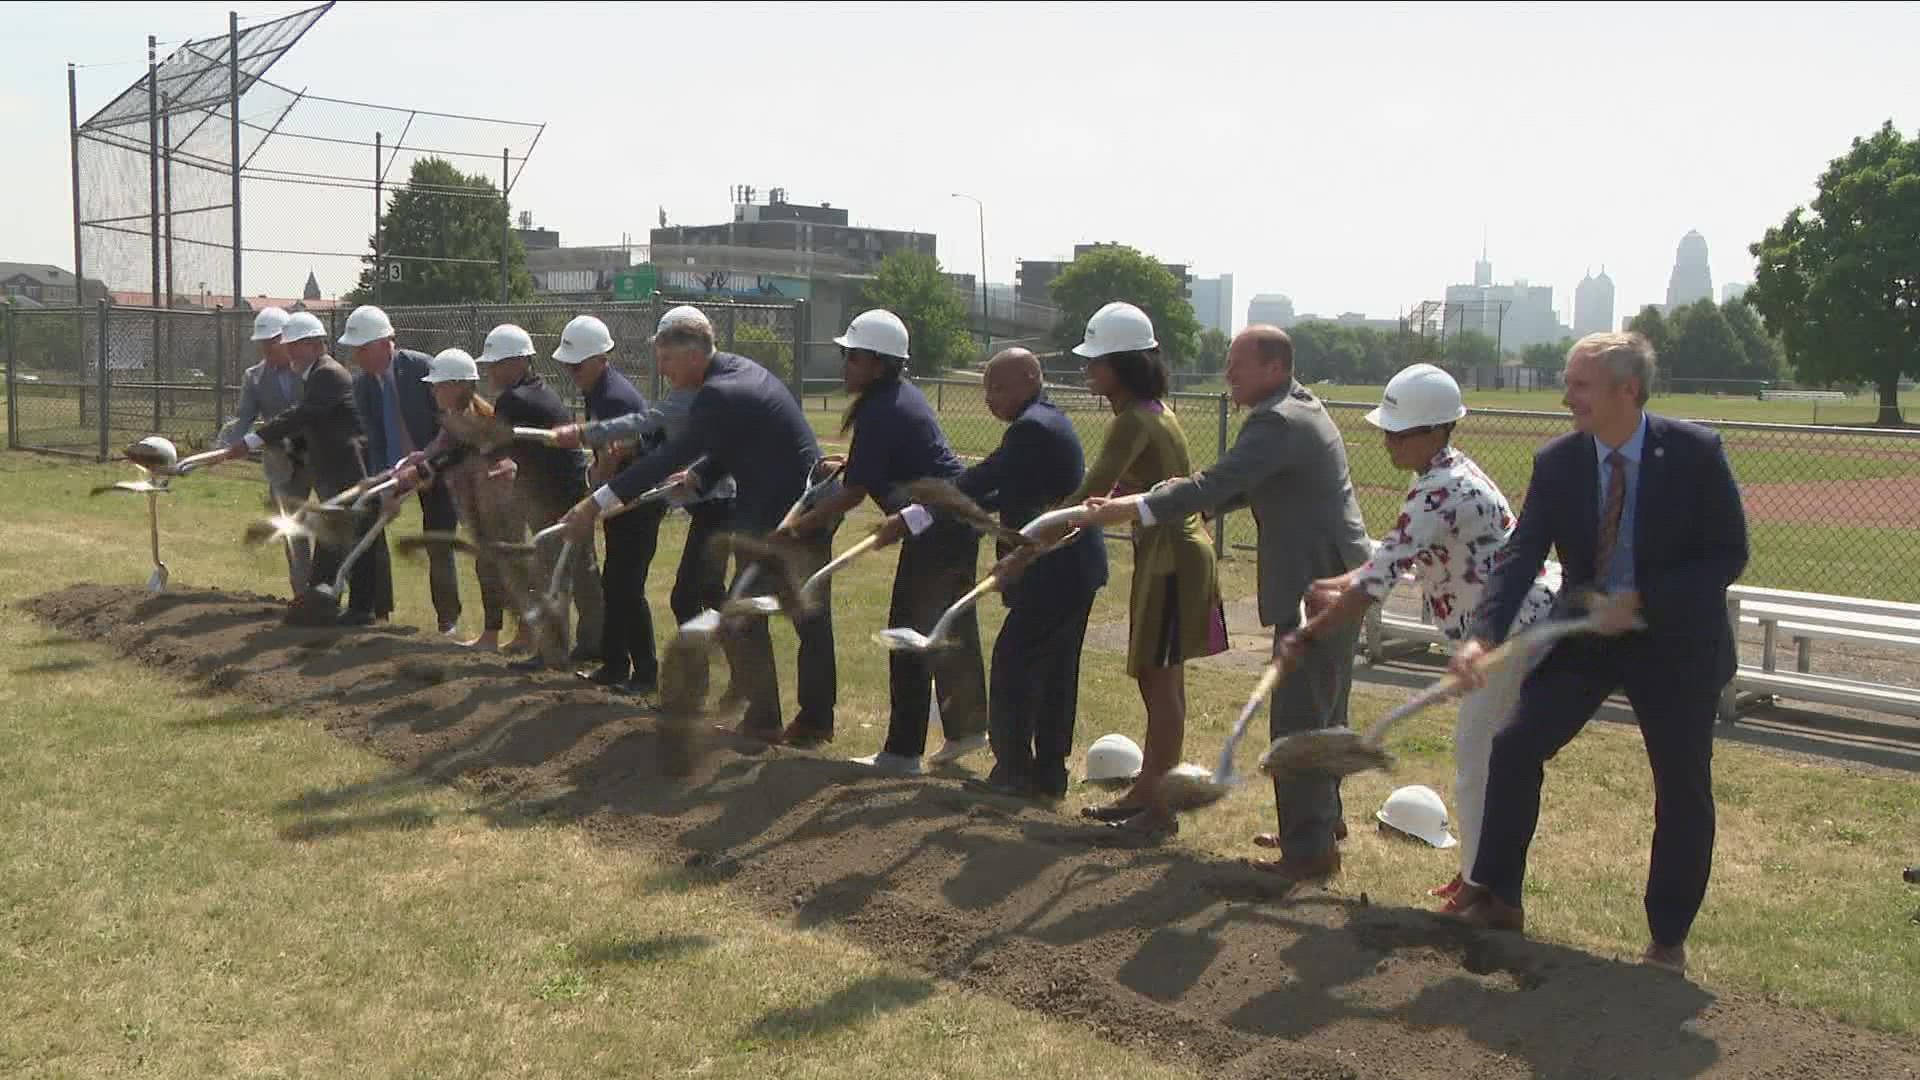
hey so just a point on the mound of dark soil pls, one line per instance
(1182, 956)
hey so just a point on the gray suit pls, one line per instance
(263, 397)
(1289, 466)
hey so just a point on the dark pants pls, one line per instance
(541, 506)
(370, 580)
(1314, 696)
(756, 678)
(437, 514)
(1675, 707)
(626, 640)
(1034, 690)
(936, 568)
(701, 582)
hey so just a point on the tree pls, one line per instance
(1841, 284)
(1472, 349)
(766, 348)
(1116, 272)
(1652, 325)
(1703, 346)
(1765, 358)
(1210, 353)
(911, 286)
(1546, 354)
(444, 213)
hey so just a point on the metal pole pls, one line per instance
(654, 313)
(219, 368)
(1220, 526)
(163, 356)
(379, 269)
(233, 109)
(153, 219)
(801, 330)
(986, 327)
(506, 224)
(102, 384)
(79, 263)
(13, 395)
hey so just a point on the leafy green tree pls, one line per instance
(1117, 272)
(1210, 353)
(1653, 325)
(911, 286)
(1472, 349)
(1703, 346)
(45, 340)
(766, 348)
(1841, 284)
(445, 214)
(1550, 355)
(1765, 358)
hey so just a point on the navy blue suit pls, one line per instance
(746, 424)
(1689, 542)
(421, 419)
(626, 636)
(1034, 689)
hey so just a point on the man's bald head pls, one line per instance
(1013, 379)
(1259, 363)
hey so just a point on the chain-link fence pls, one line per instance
(89, 380)
(1833, 510)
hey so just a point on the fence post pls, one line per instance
(940, 396)
(801, 332)
(79, 357)
(654, 313)
(473, 327)
(733, 327)
(1220, 525)
(102, 390)
(13, 395)
(219, 370)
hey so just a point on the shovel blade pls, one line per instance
(157, 581)
(705, 623)
(904, 639)
(1190, 787)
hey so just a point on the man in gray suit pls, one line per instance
(1289, 466)
(268, 389)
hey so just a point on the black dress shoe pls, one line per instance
(1009, 788)
(355, 618)
(528, 664)
(640, 687)
(605, 676)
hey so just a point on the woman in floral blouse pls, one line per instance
(1449, 536)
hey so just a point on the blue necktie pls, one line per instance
(390, 408)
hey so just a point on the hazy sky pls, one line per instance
(1349, 155)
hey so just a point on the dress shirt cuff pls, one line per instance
(917, 517)
(604, 496)
(253, 441)
(1146, 514)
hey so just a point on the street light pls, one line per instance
(986, 327)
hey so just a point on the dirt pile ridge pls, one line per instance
(1180, 955)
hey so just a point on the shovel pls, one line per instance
(1342, 752)
(1191, 787)
(187, 464)
(152, 489)
(907, 639)
(321, 604)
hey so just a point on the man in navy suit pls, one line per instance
(1636, 504)
(1035, 686)
(392, 396)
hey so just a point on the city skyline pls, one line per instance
(1327, 213)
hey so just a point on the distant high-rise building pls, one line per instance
(1515, 316)
(1734, 290)
(1692, 280)
(1482, 269)
(1213, 302)
(1274, 309)
(1593, 305)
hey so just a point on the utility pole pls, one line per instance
(986, 325)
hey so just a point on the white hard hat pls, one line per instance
(1419, 396)
(505, 342)
(1418, 812)
(584, 338)
(452, 365)
(367, 323)
(1113, 757)
(684, 315)
(301, 325)
(1118, 327)
(878, 331)
(154, 451)
(268, 324)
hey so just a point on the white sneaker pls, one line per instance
(896, 764)
(955, 749)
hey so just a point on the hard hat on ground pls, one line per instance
(584, 338)
(268, 324)
(301, 325)
(1113, 757)
(506, 342)
(154, 452)
(877, 331)
(366, 324)
(1419, 396)
(684, 315)
(1418, 812)
(452, 365)
(1118, 327)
